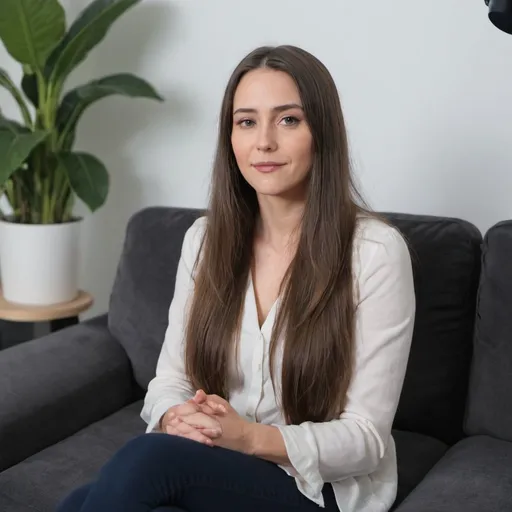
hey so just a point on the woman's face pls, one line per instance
(271, 140)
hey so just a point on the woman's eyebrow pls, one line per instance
(279, 108)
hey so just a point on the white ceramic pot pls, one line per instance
(39, 263)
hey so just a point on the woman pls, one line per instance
(290, 327)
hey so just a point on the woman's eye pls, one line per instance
(245, 123)
(290, 120)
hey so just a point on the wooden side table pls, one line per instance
(19, 323)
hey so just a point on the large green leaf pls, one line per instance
(30, 29)
(83, 35)
(16, 144)
(76, 101)
(88, 177)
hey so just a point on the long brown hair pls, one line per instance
(316, 316)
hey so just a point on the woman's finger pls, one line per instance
(190, 432)
(212, 433)
(205, 403)
(204, 400)
(200, 396)
(171, 430)
(207, 409)
(217, 399)
(201, 419)
(218, 408)
(189, 407)
(183, 410)
(199, 401)
(175, 432)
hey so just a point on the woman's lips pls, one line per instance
(267, 167)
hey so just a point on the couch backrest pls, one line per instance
(144, 284)
(490, 391)
(446, 259)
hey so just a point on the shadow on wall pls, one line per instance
(112, 130)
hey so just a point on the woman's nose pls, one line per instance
(266, 139)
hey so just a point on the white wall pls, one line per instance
(426, 88)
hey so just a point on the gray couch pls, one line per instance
(69, 400)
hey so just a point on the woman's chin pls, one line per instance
(271, 191)
(288, 193)
(277, 187)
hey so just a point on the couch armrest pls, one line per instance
(55, 385)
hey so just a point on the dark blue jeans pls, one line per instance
(164, 473)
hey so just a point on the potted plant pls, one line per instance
(40, 174)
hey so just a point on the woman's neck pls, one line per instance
(279, 221)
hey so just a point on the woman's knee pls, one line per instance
(147, 464)
(148, 452)
(154, 444)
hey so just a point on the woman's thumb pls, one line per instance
(200, 396)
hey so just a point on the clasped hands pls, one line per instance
(209, 419)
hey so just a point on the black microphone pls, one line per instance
(500, 14)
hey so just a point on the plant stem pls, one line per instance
(21, 207)
(42, 95)
(2, 192)
(42, 171)
(27, 118)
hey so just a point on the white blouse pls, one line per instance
(355, 453)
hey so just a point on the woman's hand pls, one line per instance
(263, 441)
(235, 431)
(194, 419)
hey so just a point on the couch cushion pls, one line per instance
(490, 392)
(144, 284)
(38, 483)
(416, 455)
(474, 476)
(446, 258)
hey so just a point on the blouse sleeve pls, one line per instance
(170, 386)
(354, 444)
